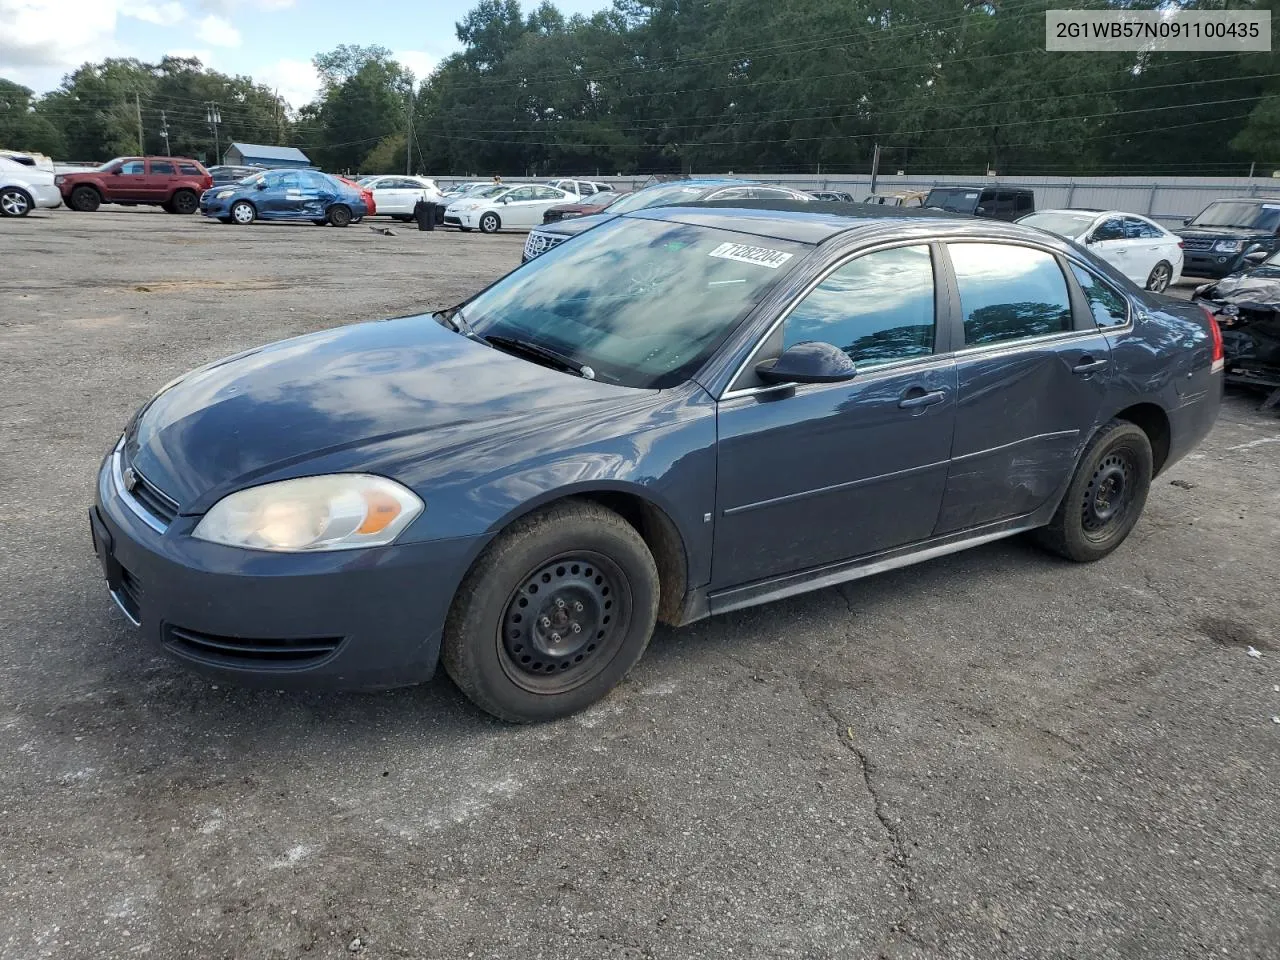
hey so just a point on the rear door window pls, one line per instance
(1109, 308)
(877, 308)
(1009, 292)
(162, 168)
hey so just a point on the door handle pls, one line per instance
(914, 400)
(1088, 365)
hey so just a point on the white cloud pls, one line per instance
(162, 14)
(54, 33)
(296, 80)
(205, 56)
(419, 61)
(218, 31)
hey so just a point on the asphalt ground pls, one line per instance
(993, 754)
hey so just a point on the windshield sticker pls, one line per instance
(760, 256)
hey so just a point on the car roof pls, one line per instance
(1246, 200)
(801, 222)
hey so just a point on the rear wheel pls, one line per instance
(14, 202)
(85, 199)
(184, 201)
(577, 593)
(243, 213)
(339, 215)
(1106, 496)
(1161, 274)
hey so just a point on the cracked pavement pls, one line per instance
(994, 754)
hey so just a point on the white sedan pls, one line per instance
(396, 195)
(23, 187)
(1141, 249)
(518, 207)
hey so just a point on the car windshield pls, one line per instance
(1239, 213)
(251, 179)
(485, 193)
(957, 200)
(661, 195)
(1060, 222)
(113, 163)
(641, 302)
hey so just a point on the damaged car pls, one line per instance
(1246, 305)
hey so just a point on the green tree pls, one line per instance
(21, 127)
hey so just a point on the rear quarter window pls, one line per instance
(1109, 308)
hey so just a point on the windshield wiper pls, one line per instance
(455, 321)
(537, 351)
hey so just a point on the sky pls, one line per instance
(271, 40)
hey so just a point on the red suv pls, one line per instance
(174, 183)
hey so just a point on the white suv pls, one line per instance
(23, 187)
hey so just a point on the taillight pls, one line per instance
(1215, 334)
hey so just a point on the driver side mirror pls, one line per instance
(1254, 257)
(979, 211)
(1186, 221)
(261, 184)
(810, 362)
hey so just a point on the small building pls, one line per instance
(261, 155)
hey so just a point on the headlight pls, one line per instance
(223, 194)
(341, 511)
(59, 180)
(1228, 246)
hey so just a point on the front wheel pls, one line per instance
(14, 202)
(339, 215)
(490, 223)
(1106, 496)
(1161, 274)
(85, 199)
(243, 213)
(553, 614)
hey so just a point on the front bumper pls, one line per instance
(355, 619)
(211, 207)
(1209, 264)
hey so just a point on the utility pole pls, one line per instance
(875, 167)
(137, 104)
(408, 139)
(1251, 166)
(214, 117)
(164, 132)
(275, 108)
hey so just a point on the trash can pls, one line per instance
(425, 213)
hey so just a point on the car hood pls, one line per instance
(268, 412)
(1222, 233)
(575, 225)
(1258, 289)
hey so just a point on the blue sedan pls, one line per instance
(685, 411)
(284, 195)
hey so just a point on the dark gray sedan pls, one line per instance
(684, 411)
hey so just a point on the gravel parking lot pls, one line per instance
(993, 754)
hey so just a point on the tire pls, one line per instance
(1095, 516)
(243, 213)
(575, 566)
(15, 202)
(85, 199)
(339, 215)
(1161, 274)
(320, 223)
(184, 202)
(490, 223)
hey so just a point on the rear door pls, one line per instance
(162, 177)
(819, 473)
(1033, 375)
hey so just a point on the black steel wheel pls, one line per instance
(564, 622)
(1106, 496)
(185, 202)
(1161, 274)
(85, 199)
(553, 614)
(339, 215)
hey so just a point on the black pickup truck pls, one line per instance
(1215, 240)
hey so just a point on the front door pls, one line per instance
(820, 473)
(1033, 379)
(1109, 242)
(128, 183)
